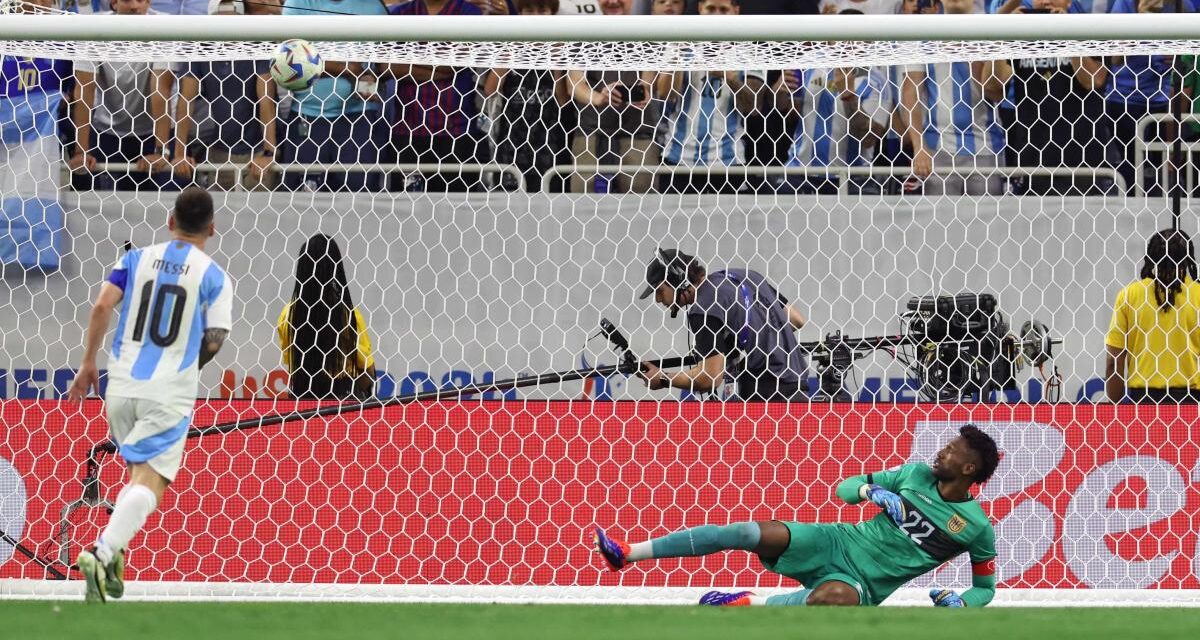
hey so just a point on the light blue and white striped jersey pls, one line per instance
(173, 293)
(822, 137)
(706, 128)
(959, 121)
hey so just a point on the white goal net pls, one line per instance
(860, 232)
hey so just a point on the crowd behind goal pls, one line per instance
(163, 126)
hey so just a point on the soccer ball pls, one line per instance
(296, 64)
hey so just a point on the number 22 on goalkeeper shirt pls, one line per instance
(931, 531)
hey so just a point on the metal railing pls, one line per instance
(1141, 147)
(423, 168)
(587, 171)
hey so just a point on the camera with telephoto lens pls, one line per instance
(957, 347)
(963, 346)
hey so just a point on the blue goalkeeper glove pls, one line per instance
(946, 598)
(890, 502)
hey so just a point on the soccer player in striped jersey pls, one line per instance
(706, 127)
(928, 517)
(951, 119)
(175, 311)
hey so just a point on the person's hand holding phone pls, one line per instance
(637, 96)
(606, 96)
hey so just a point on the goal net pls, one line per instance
(872, 230)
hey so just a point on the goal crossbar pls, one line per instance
(790, 28)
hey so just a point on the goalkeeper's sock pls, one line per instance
(794, 599)
(134, 504)
(698, 541)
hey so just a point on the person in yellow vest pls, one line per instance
(1154, 338)
(323, 337)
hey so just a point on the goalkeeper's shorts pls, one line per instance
(148, 431)
(816, 555)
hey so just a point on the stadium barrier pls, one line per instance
(1142, 147)
(215, 168)
(587, 170)
(501, 494)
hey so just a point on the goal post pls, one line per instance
(1145, 28)
(952, 203)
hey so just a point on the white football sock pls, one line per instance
(640, 551)
(134, 504)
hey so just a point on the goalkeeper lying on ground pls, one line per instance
(928, 518)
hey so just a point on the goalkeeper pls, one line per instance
(928, 518)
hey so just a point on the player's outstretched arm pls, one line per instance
(89, 375)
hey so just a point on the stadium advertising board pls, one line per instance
(1093, 496)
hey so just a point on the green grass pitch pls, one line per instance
(301, 621)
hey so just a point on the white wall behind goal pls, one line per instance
(460, 287)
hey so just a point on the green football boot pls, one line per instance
(115, 573)
(93, 573)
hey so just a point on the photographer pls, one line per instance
(742, 328)
(1153, 343)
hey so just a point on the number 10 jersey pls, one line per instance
(173, 293)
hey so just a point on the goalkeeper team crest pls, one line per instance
(956, 524)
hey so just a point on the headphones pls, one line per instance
(677, 270)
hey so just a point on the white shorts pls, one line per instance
(150, 432)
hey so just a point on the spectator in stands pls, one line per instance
(165, 7)
(238, 125)
(616, 121)
(339, 118)
(577, 8)
(1057, 106)
(1153, 342)
(322, 335)
(527, 128)
(768, 136)
(435, 111)
(1191, 96)
(843, 119)
(705, 128)
(868, 7)
(31, 218)
(119, 116)
(1139, 86)
(949, 111)
(770, 7)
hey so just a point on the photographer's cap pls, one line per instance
(670, 266)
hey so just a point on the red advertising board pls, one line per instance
(505, 492)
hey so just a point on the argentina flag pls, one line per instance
(31, 218)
